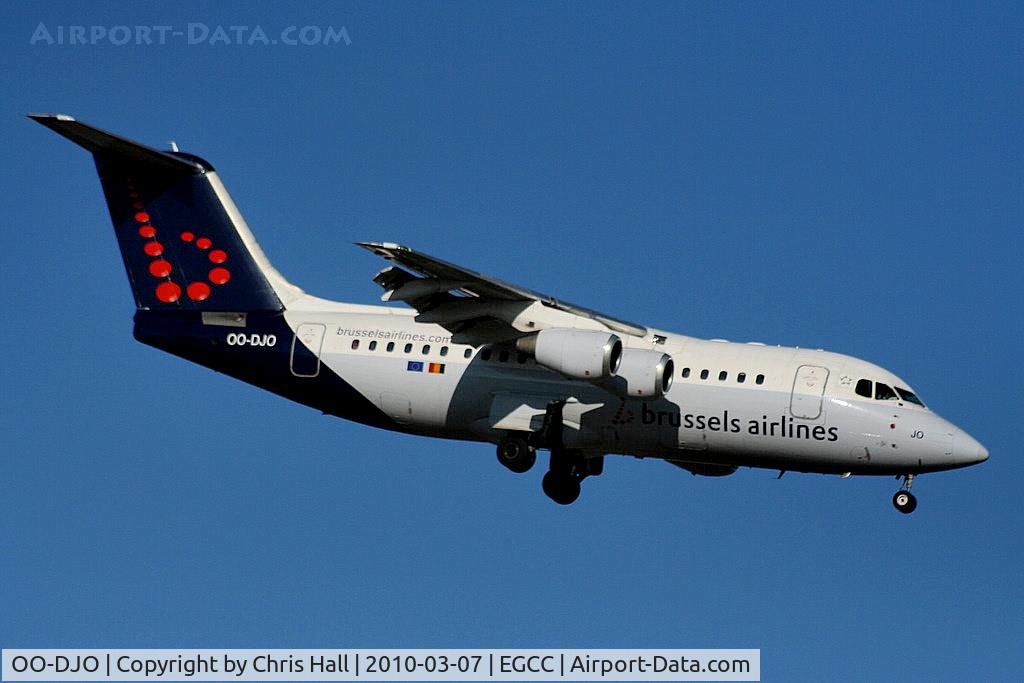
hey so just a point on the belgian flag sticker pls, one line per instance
(436, 368)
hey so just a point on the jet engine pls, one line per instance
(645, 373)
(581, 354)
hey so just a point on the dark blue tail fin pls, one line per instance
(183, 242)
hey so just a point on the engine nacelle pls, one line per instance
(644, 373)
(582, 354)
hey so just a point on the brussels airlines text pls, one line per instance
(784, 426)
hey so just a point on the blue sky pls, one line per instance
(823, 175)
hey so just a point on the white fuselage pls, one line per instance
(729, 404)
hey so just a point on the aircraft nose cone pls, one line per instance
(967, 450)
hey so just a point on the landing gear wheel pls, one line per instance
(516, 454)
(563, 488)
(904, 501)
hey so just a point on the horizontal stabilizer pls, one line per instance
(107, 144)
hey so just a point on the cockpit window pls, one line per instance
(864, 388)
(883, 392)
(909, 396)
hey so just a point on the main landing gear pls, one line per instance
(903, 499)
(518, 452)
(567, 470)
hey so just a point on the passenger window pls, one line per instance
(863, 388)
(373, 346)
(741, 378)
(722, 376)
(485, 354)
(759, 379)
(467, 353)
(521, 357)
(391, 347)
(883, 392)
(426, 349)
(444, 350)
(704, 374)
(503, 356)
(355, 344)
(686, 372)
(909, 396)
(408, 348)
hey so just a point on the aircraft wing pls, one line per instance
(458, 298)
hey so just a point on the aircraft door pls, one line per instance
(306, 346)
(808, 389)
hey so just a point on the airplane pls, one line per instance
(479, 359)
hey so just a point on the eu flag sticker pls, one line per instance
(414, 366)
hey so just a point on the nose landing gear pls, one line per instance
(903, 499)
